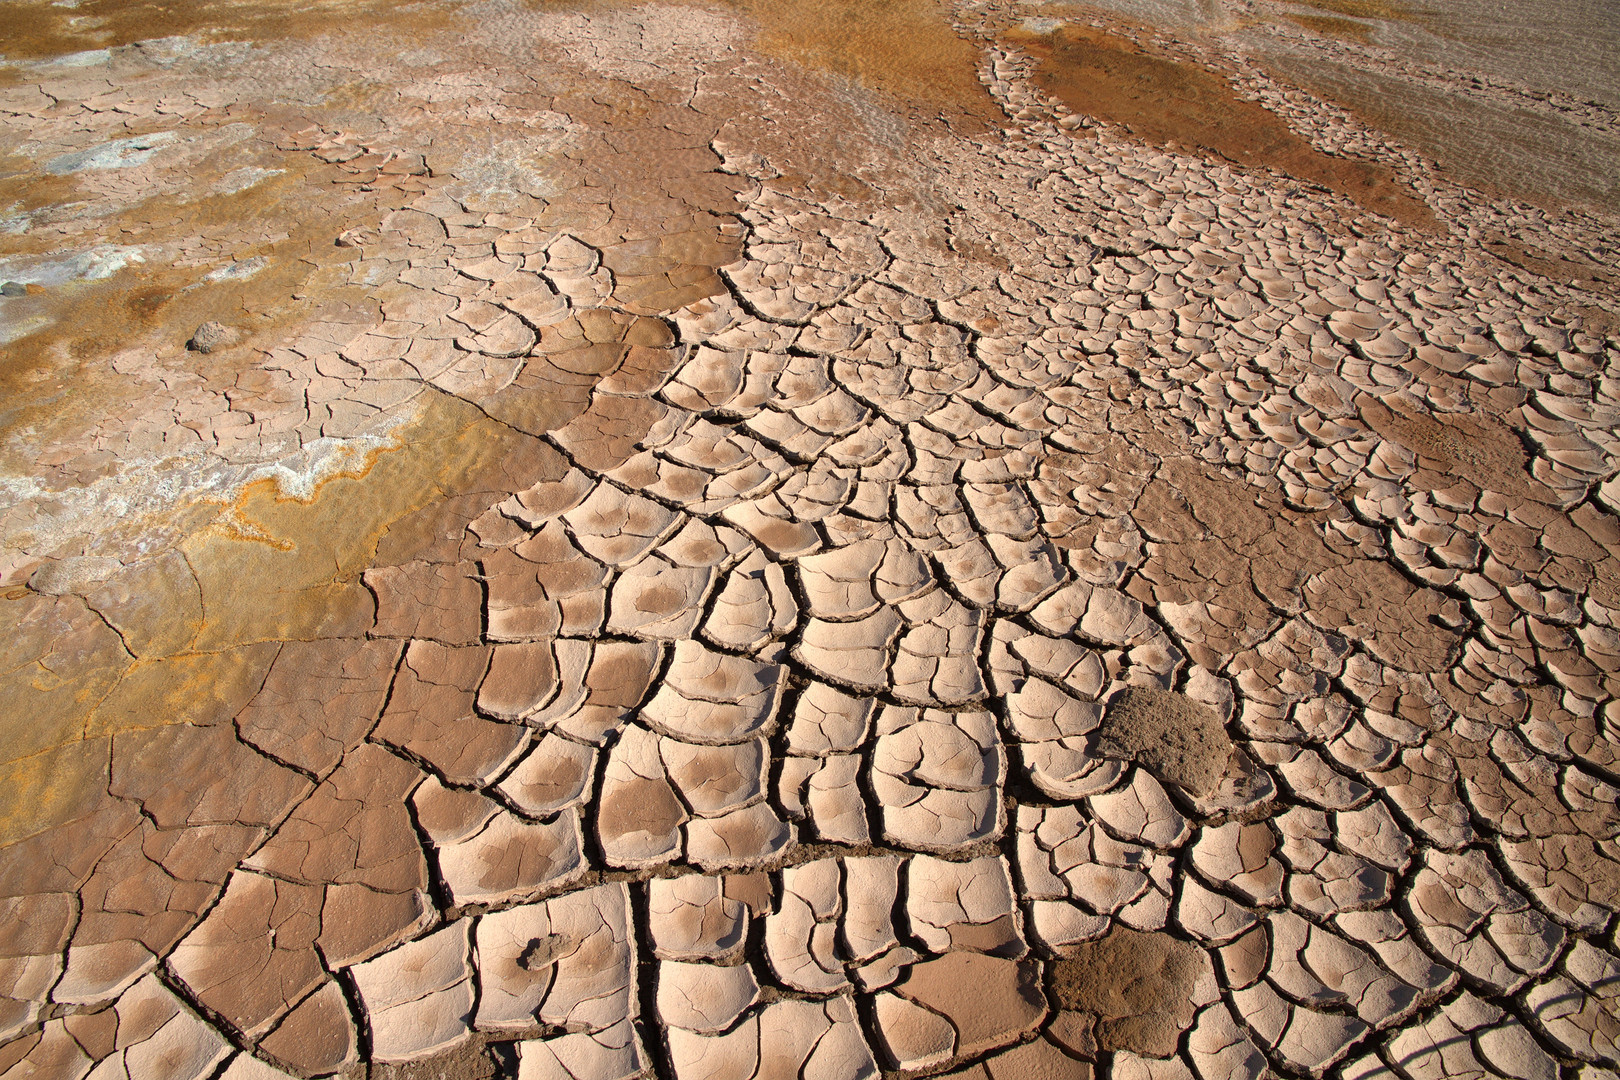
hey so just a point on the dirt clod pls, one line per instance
(209, 336)
(1176, 738)
(1139, 986)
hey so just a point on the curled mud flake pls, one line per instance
(638, 816)
(511, 859)
(419, 997)
(703, 997)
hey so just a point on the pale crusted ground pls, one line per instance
(713, 576)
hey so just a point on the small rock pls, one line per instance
(209, 336)
(13, 288)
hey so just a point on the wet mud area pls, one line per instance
(908, 50)
(1179, 102)
(1332, 24)
(1353, 20)
(1499, 146)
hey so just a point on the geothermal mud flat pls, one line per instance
(703, 542)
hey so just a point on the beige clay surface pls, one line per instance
(723, 541)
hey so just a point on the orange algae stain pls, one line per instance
(270, 567)
(906, 48)
(285, 567)
(1167, 101)
(1355, 20)
(274, 565)
(52, 787)
(55, 382)
(57, 661)
(903, 48)
(24, 187)
(233, 527)
(1333, 26)
(191, 688)
(1367, 9)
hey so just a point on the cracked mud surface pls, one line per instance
(701, 548)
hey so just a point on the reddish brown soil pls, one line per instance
(900, 47)
(1334, 26)
(1365, 9)
(1164, 100)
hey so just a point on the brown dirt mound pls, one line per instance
(1178, 740)
(1139, 986)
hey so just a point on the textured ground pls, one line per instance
(679, 561)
